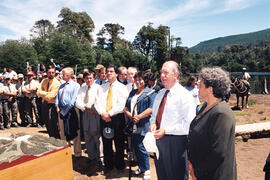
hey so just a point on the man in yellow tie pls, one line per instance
(110, 104)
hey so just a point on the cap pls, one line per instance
(15, 78)
(20, 76)
(244, 69)
(30, 74)
(57, 72)
(99, 66)
(80, 76)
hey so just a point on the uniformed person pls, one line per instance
(10, 104)
(29, 90)
(21, 99)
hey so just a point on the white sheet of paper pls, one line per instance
(149, 143)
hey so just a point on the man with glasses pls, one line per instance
(110, 104)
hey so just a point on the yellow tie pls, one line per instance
(109, 99)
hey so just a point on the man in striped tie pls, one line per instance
(110, 104)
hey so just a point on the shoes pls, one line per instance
(14, 124)
(107, 170)
(137, 172)
(8, 126)
(147, 175)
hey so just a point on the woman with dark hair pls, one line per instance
(211, 149)
(142, 112)
(192, 88)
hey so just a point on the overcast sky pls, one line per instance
(192, 20)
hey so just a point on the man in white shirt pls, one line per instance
(172, 112)
(110, 104)
(29, 90)
(85, 101)
(245, 77)
(21, 99)
(11, 73)
(10, 103)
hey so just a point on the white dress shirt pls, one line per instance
(179, 110)
(120, 95)
(92, 96)
(130, 86)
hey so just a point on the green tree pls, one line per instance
(42, 29)
(15, 54)
(109, 36)
(78, 25)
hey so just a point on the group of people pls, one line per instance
(191, 140)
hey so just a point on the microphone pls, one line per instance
(155, 89)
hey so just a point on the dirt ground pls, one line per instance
(250, 156)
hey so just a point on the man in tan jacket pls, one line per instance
(47, 91)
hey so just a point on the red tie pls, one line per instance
(161, 109)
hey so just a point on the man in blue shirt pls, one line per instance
(65, 106)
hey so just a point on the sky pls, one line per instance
(192, 20)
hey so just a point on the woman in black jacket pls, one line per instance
(211, 148)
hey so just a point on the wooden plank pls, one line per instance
(57, 165)
(255, 128)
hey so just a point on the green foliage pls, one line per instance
(15, 54)
(252, 102)
(216, 45)
(109, 37)
(76, 24)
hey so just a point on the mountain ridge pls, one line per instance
(213, 45)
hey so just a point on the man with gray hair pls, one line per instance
(172, 112)
(65, 106)
(130, 78)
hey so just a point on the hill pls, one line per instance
(211, 46)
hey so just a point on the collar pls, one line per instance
(174, 89)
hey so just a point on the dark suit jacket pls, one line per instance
(211, 148)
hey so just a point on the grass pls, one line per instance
(263, 119)
(241, 113)
(252, 102)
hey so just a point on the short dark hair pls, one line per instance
(88, 73)
(151, 76)
(190, 80)
(114, 67)
(50, 67)
(141, 74)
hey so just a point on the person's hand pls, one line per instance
(136, 119)
(57, 109)
(159, 133)
(152, 127)
(89, 111)
(106, 117)
(191, 171)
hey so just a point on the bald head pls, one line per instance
(169, 74)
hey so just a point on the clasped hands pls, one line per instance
(106, 117)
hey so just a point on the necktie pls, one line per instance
(9, 88)
(161, 109)
(48, 86)
(100, 82)
(86, 97)
(109, 99)
(62, 95)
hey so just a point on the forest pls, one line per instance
(71, 42)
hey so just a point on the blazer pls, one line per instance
(211, 148)
(144, 104)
